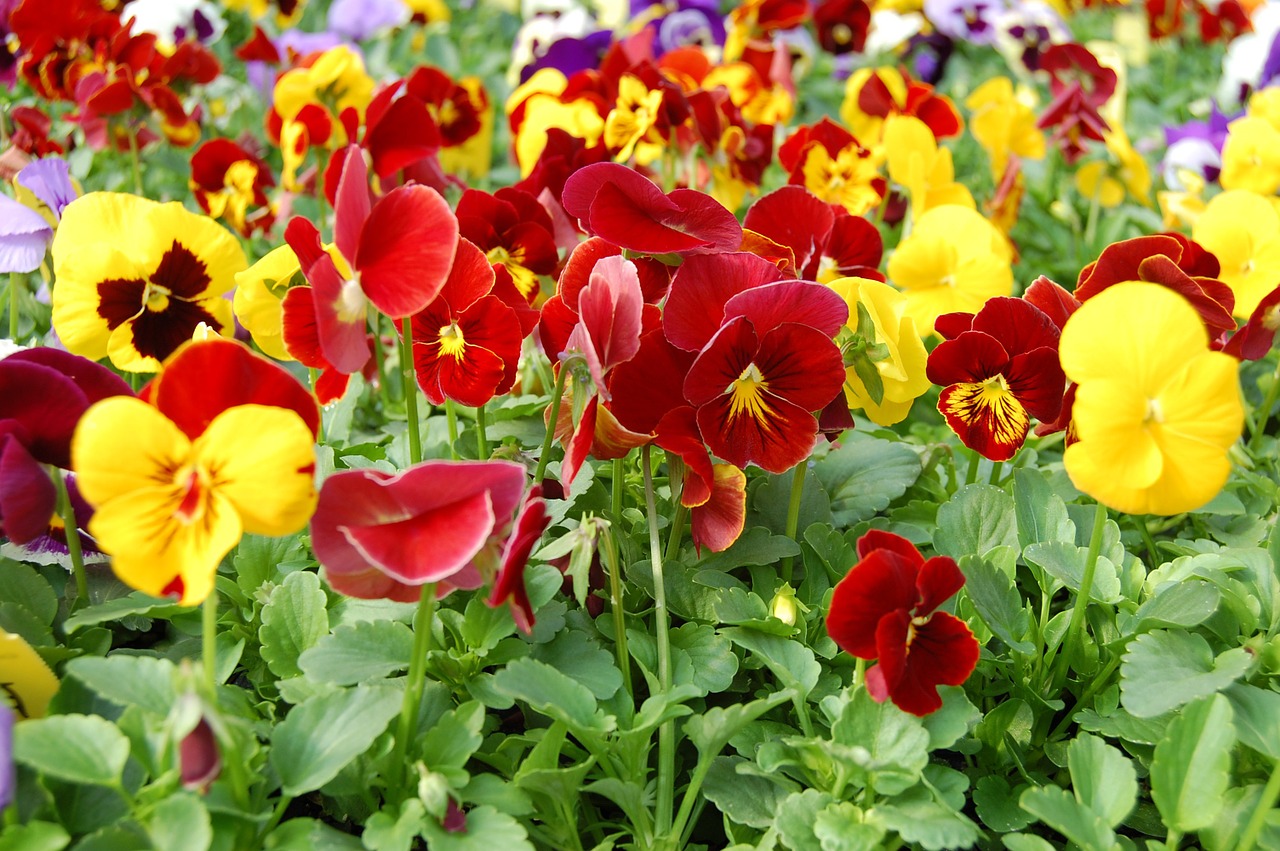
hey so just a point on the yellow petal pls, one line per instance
(260, 291)
(122, 445)
(1111, 422)
(262, 461)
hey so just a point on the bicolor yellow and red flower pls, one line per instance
(886, 608)
(223, 444)
(998, 369)
(513, 231)
(230, 183)
(832, 164)
(451, 523)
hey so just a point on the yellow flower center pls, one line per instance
(351, 301)
(1155, 414)
(156, 298)
(747, 391)
(452, 341)
(194, 484)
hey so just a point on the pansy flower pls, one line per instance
(223, 445)
(886, 608)
(873, 94)
(998, 369)
(230, 183)
(258, 302)
(1242, 230)
(397, 250)
(383, 535)
(44, 189)
(826, 243)
(1155, 409)
(513, 231)
(1003, 124)
(134, 278)
(827, 160)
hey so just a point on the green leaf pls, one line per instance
(770, 500)
(897, 742)
(1041, 514)
(321, 735)
(1257, 717)
(395, 829)
(997, 804)
(258, 559)
(1103, 778)
(796, 817)
(552, 693)
(306, 834)
(487, 830)
(790, 661)
(21, 584)
(1178, 604)
(703, 657)
(573, 652)
(927, 823)
(293, 620)
(864, 475)
(1191, 767)
(747, 799)
(76, 748)
(23, 622)
(142, 681)
(713, 729)
(135, 603)
(1066, 562)
(1057, 808)
(843, 827)
(947, 724)
(34, 836)
(1165, 669)
(1026, 842)
(359, 652)
(756, 546)
(454, 737)
(997, 602)
(977, 519)
(180, 822)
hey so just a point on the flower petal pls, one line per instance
(882, 582)
(407, 248)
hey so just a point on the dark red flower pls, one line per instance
(1255, 339)
(885, 608)
(825, 240)
(512, 230)
(842, 25)
(997, 374)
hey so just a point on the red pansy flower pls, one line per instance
(301, 336)
(399, 250)
(626, 208)
(842, 25)
(826, 241)
(512, 230)
(998, 369)
(466, 343)
(383, 535)
(1255, 339)
(885, 608)
(1080, 86)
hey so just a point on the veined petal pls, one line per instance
(407, 248)
(155, 551)
(122, 445)
(986, 416)
(261, 459)
(801, 364)
(758, 427)
(427, 547)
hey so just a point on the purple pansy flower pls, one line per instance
(8, 773)
(24, 233)
(1196, 146)
(1026, 30)
(965, 20)
(359, 19)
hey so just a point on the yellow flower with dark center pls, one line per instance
(1243, 231)
(953, 261)
(134, 278)
(1155, 409)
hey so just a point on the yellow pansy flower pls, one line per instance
(917, 163)
(260, 291)
(1155, 409)
(953, 261)
(1243, 231)
(336, 81)
(1004, 124)
(1124, 172)
(1251, 156)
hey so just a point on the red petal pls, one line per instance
(795, 217)
(205, 378)
(678, 433)
(426, 547)
(704, 283)
(972, 356)
(801, 364)
(578, 447)
(45, 407)
(470, 277)
(351, 209)
(881, 582)
(1036, 378)
(939, 579)
(401, 136)
(649, 385)
(342, 340)
(1053, 300)
(992, 425)
(509, 586)
(718, 522)
(1019, 325)
(28, 498)
(943, 652)
(298, 323)
(619, 218)
(799, 302)
(609, 310)
(407, 248)
(721, 362)
(878, 539)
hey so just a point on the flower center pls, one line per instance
(351, 301)
(194, 482)
(156, 298)
(1155, 414)
(452, 341)
(747, 392)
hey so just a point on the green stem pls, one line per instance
(72, 530)
(15, 281)
(859, 672)
(972, 475)
(417, 679)
(410, 390)
(617, 489)
(666, 732)
(1100, 680)
(209, 646)
(136, 161)
(1263, 413)
(545, 455)
(677, 531)
(613, 565)
(690, 796)
(1270, 794)
(276, 815)
(482, 439)
(313, 375)
(798, 474)
(380, 360)
(1072, 639)
(995, 472)
(451, 417)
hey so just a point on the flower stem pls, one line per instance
(313, 375)
(798, 473)
(209, 646)
(15, 281)
(556, 393)
(71, 527)
(1263, 413)
(996, 467)
(380, 360)
(972, 475)
(451, 417)
(1266, 803)
(410, 390)
(417, 678)
(614, 566)
(482, 439)
(1072, 639)
(666, 732)
(136, 160)
(616, 493)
